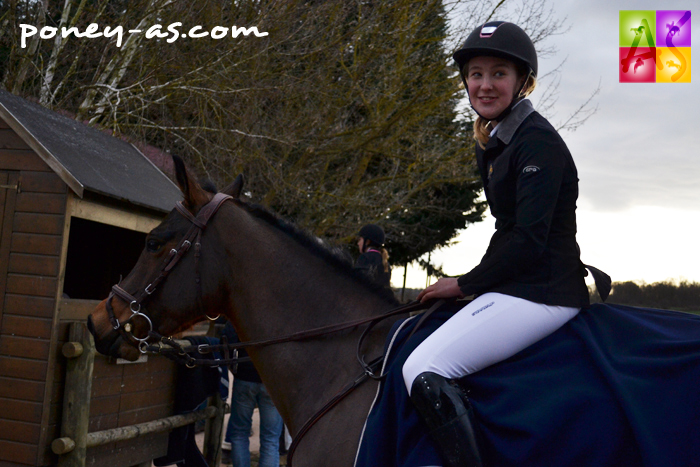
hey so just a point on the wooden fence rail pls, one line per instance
(75, 440)
(98, 438)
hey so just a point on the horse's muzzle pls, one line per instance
(107, 345)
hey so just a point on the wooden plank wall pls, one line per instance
(32, 229)
(33, 223)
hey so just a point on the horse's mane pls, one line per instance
(335, 257)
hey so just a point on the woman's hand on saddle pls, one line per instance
(446, 287)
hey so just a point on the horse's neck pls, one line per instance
(277, 288)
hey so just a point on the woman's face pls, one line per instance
(492, 83)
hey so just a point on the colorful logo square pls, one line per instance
(637, 28)
(676, 65)
(655, 46)
(673, 28)
(638, 65)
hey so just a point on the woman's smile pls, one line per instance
(492, 85)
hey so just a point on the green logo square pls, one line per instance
(637, 28)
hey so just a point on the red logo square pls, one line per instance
(637, 64)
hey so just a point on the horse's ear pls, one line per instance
(181, 174)
(234, 189)
(195, 196)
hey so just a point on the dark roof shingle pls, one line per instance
(87, 158)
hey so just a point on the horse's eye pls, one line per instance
(153, 245)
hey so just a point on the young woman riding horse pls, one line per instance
(530, 281)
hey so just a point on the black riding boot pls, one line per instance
(450, 418)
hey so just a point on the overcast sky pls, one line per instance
(638, 157)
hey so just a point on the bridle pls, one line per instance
(177, 352)
(192, 237)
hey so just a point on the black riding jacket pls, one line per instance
(372, 263)
(531, 185)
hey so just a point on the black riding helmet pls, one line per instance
(498, 39)
(373, 233)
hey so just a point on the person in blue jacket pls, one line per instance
(530, 282)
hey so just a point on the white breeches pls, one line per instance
(490, 329)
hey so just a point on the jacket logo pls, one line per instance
(530, 169)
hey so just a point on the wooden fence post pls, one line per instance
(80, 354)
(213, 431)
(214, 426)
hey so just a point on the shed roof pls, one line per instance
(89, 159)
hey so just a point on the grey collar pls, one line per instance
(507, 128)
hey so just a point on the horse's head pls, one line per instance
(167, 276)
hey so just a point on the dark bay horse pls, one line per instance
(269, 279)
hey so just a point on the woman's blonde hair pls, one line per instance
(383, 251)
(385, 259)
(482, 129)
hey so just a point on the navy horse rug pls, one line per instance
(616, 386)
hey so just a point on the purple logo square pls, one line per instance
(673, 28)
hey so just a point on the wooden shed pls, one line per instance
(75, 206)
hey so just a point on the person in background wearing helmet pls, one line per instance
(530, 282)
(374, 259)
